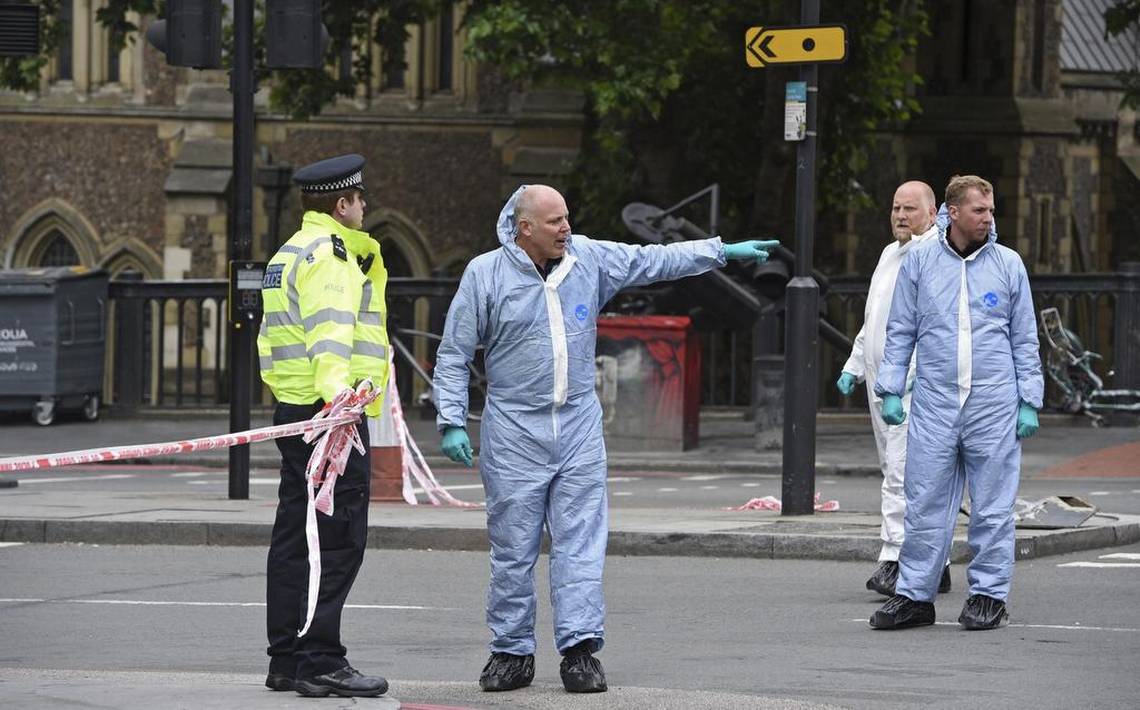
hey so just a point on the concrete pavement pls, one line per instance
(170, 514)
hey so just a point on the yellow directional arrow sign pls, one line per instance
(817, 44)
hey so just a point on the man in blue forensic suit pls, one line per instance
(533, 304)
(964, 302)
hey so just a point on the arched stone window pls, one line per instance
(51, 234)
(54, 249)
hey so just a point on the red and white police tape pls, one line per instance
(773, 503)
(335, 435)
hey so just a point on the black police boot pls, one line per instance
(982, 613)
(282, 672)
(506, 671)
(902, 613)
(581, 672)
(346, 682)
(944, 583)
(884, 578)
(279, 681)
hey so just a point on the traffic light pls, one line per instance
(19, 29)
(295, 37)
(191, 34)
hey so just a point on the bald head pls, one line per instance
(913, 210)
(542, 223)
(532, 199)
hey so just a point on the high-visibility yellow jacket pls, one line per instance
(324, 326)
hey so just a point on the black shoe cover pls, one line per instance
(981, 613)
(581, 672)
(346, 682)
(506, 671)
(901, 613)
(884, 578)
(944, 583)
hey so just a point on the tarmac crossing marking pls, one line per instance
(1121, 556)
(145, 602)
(1100, 565)
(1056, 627)
(10, 544)
(63, 479)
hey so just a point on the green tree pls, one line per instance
(672, 106)
(1122, 18)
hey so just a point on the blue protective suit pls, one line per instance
(542, 457)
(972, 322)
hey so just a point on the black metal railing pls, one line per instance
(169, 344)
(1103, 309)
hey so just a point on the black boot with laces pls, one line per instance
(506, 671)
(581, 672)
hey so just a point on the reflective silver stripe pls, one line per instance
(291, 292)
(290, 249)
(288, 352)
(363, 347)
(330, 346)
(366, 297)
(277, 318)
(266, 363)
(372, 318)
(329, 315)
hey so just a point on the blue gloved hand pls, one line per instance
(1026, 421)
(893, 410)
(456, 446)
(751, 249)
(846, 383)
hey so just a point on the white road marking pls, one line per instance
(10, 544)
(709, 488)
(749, 485)
(1100, 565)
(1100, 493)
(64, 479)
(1059, 627)
(252, 482)
(195, 474)
(1120, 556)
(144, 602)
(622, 493)
(623, 479)
(666, 490)
(709, 477)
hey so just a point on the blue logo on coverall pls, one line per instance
(581, 311)
(990, 299)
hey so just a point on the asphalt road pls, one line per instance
(642, 489)
(87, 625)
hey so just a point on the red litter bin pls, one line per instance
(648, 380)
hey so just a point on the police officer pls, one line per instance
(323, 331)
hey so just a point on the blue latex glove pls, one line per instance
(751, 249)
(1026, 421)
(893, 410)
(456, 446)
(846, 384)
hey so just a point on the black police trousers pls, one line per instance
(343, 536)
